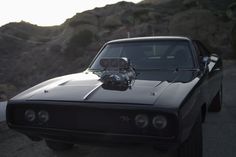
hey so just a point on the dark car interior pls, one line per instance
(151, 55)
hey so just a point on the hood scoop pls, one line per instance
(64, 83)
(118, 74)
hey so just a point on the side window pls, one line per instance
(202, 49)
(199, 54)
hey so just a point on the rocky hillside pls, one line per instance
(30, 54)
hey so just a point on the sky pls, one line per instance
(46, 12)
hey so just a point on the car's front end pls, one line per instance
(78, 122)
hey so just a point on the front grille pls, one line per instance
(84, 118)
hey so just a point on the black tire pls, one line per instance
(192, 147)
(216, 103)
(59, 146)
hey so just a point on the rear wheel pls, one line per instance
(58, 146)
(192, 147)
(216, 103)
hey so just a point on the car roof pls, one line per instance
(149, 39)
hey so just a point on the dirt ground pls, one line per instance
(218, 132)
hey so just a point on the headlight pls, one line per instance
(43, 116)
(141, 121)
(159, 122)
(30, 115)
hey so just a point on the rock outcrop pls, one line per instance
(30, 54)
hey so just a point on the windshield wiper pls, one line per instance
(169, 69)
(187, 69)
(95, 70)
(154, 69)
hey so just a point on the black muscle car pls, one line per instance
(153, 90)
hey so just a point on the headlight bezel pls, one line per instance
(43, 116)
(159, 122)
(142, 117)
(32, 113)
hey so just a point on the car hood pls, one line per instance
(87, 87)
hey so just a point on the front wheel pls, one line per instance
(58, 146)
(192, 147)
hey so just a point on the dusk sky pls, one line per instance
(46, 12)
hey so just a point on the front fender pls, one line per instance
(190, 111)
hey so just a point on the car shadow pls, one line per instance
(94, 151)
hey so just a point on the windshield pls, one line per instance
(150, 54)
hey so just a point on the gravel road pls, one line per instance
(218, 131)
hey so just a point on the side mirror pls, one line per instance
(205, 61)
(214, 57)
(216, 54)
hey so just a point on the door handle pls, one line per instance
(217, 69)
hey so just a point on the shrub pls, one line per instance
(7, 89)
(81, 39)
(21, 35)
(141, 15)
(231, 11)
(234, 39)
(78, 43)
(55, 48)
(44, 39)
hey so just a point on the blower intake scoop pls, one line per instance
(118, 74)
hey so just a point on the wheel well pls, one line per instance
(204, 109)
